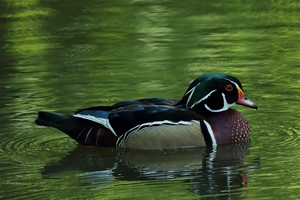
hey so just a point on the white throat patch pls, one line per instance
(226, 105)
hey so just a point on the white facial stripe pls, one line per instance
(103, 121)
(236, 85)
(190, 98)
(122, 138)
(202, 99)
(191, 91)
(211, 133)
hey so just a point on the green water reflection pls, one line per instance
(65, 55)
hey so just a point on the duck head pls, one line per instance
(215, 93)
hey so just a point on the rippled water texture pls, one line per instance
(65, 55)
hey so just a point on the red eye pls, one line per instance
(228, 87)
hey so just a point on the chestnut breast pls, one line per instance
(229, 126)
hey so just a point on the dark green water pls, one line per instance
(64, 55)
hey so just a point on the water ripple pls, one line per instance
(22, 157)
(28, 142)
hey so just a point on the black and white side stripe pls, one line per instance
(205, 127)
(208, 134)
(102, 121)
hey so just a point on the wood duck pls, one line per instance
(202, 117)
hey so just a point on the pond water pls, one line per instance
(65, 55)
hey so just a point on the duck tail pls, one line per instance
(51, 119)
(83, 131)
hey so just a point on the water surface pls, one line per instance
(65, 55)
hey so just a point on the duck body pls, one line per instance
(203, 117)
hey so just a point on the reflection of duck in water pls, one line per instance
(201, 118)
(205, 170)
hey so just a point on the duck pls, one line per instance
(203, 117)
